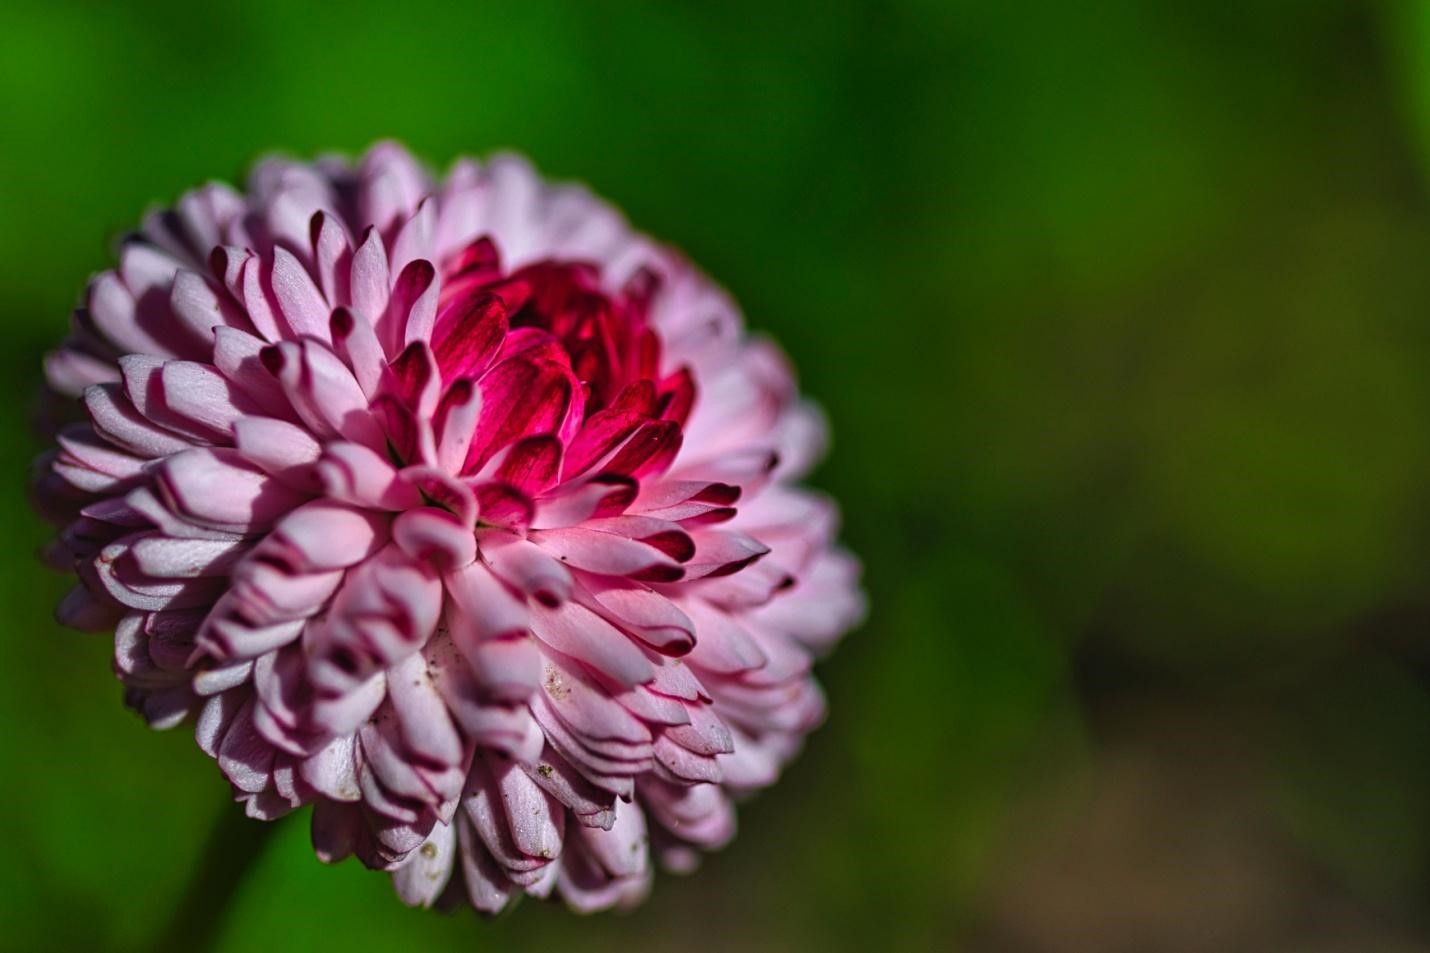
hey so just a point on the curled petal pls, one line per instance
(527, 567)
(281, 449)
(424, 874)
(299, 300)
(383, 612)
(574, 630)
(324, 535)
(645, 613)
(220, 490)
(370, 285)
(432, 535)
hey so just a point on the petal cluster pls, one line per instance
(454, 508)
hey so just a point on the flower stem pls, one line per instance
(235, 841)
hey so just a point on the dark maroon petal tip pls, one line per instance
(341, 323)
(272, 359)
(675, 544)
(660, 572)
(721, 494)
(730, 568)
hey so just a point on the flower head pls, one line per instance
(454, 508)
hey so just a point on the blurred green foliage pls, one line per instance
(1121, 312)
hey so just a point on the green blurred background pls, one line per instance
(1122, 315)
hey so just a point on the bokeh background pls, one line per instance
(1122, 314)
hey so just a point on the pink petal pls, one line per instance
(705, 734)
(591, 806)
(422, 877)
(301, 303)
(576, 502)
(214, 720)
(504, 507)
(219, 489)
(226, 636)
(445, 492)
(143, 385)
(279, 448)
(245, 757)
(527, 567)
(501, 726)
(163, 557)
(356, 474)
(70, 371)
(112, 310)
(203, 397)
(487, 887)
(534, 818)
(687, 501)
(485, 604)
(236, 354)
(414, 380)
(323, 391)
(117, 421)
(370, 282)
(391, 186)
(414, 237)
(586, 707)
(684, 765)
(647, 614)
(456, 423)
(722, 553)
(621, 850)
(332, 770)
(721, 644)
(432, 535)
(423, 722)
(82, 609)
(201, 307)
(356, 342)
(323, 535)
(412, 309)
(384, 611)
(253, 293)
(344, 712)
(332, 256)
(580, 633)
(608, 554)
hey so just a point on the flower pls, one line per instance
(456, 509)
